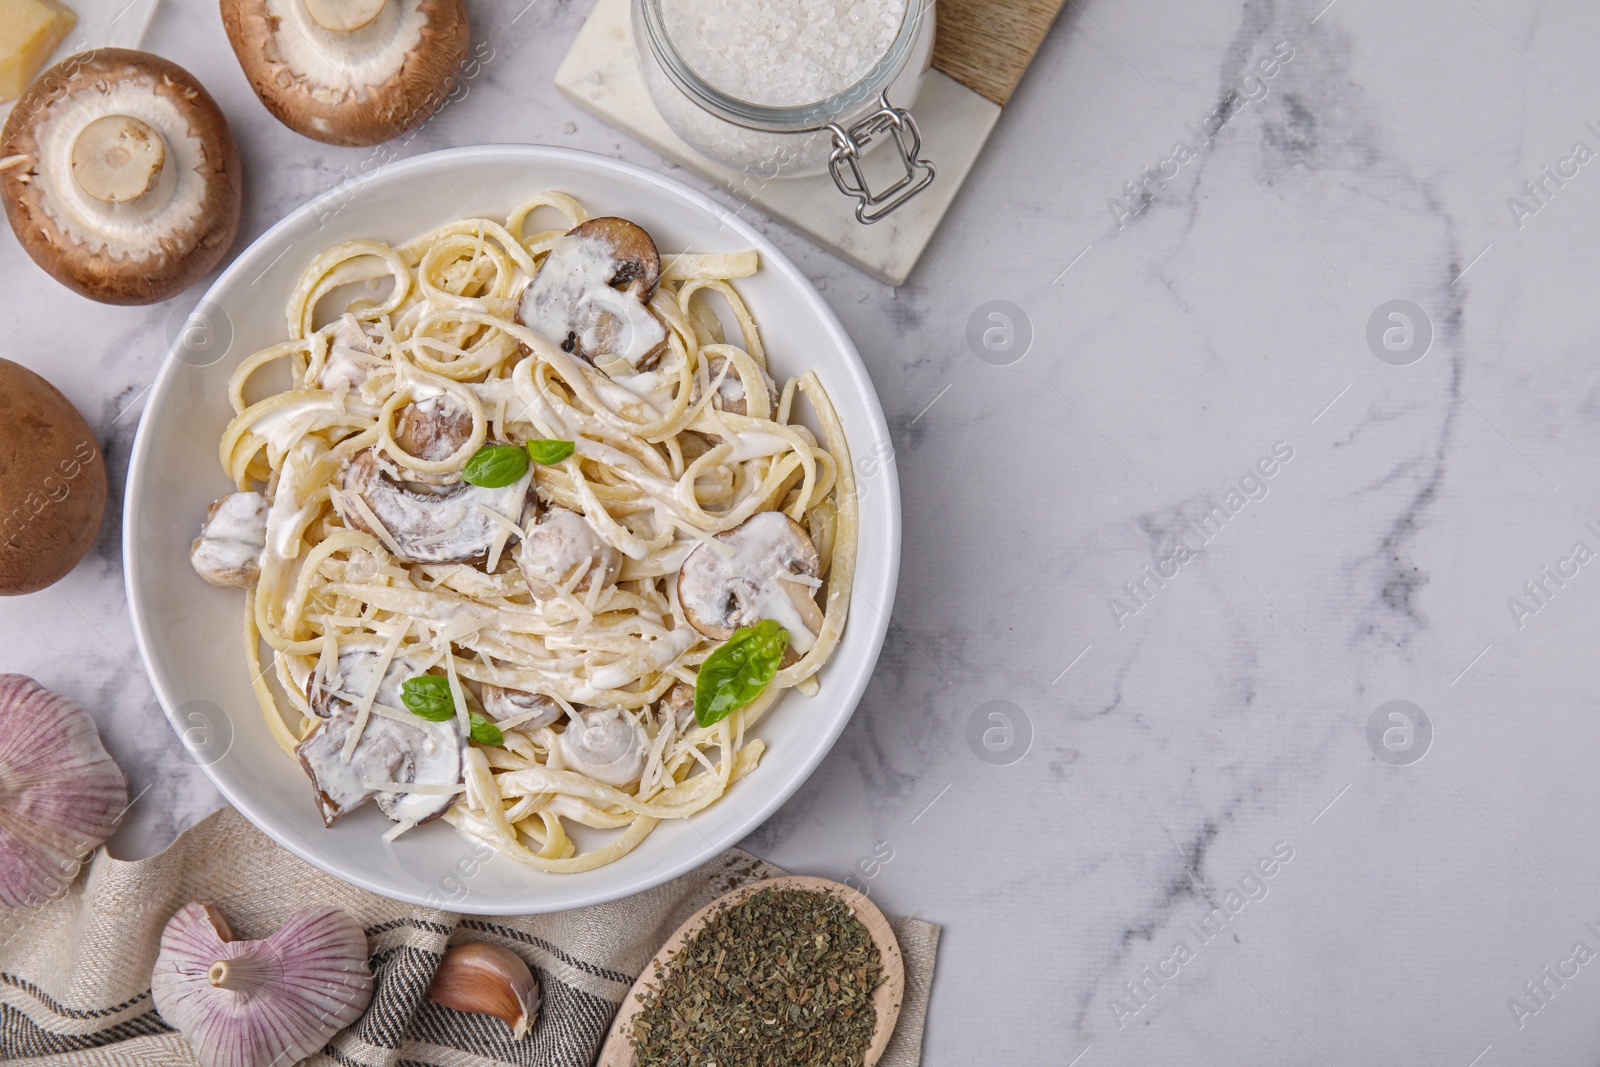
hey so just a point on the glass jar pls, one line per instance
(793, 140)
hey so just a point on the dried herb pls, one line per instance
(783, 978)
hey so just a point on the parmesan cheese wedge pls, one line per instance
(29, 32)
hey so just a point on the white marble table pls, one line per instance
(1220, 721)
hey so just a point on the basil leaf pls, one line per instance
(548, 452)
(738, 670)
(428, 695)
(495, 466)
(485, 732)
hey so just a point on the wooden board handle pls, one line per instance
(986, 45)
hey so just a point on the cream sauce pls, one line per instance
(228, 552)
(659, 654)
(288, 423)
(145, 227)
(286, 521)
(764, 549)
(572, 295)
(757, 444)
(562, 544)
(389, 752)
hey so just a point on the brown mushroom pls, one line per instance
(632, 249)
(730, 395)
(389, 753)
(505, 705)
(353, 354)
(678, 702)
(433, 429)
(228, 551)
(425, 521)
(349, 72)
(52, 483)
(592, 293)
(561, 545)
(607, 744)
(765, 568)
(128, 185)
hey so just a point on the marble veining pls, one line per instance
(1089, 798)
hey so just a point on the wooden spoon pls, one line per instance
(886, 999)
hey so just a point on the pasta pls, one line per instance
(408, 596)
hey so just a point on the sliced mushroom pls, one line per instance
(638, 264)
(228, 551)
(425, 754)
(764, 568)
(730, 391)
(352, 356)
(592, 293)
(730, 395)
(609, 747)
(503, 704)
(679, 703)
(427, 523)
(561, 545)
(126, 183)
(433, 429)
(349, 72)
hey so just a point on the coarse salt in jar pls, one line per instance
(793, 88)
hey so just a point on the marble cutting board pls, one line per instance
(981, 51)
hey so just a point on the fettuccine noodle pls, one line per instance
(379, 334)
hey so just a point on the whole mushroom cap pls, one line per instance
(128, 185)
(349, 72)
(52, 483)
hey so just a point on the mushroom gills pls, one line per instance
(228, 551)
(505, 705)
(591, 296)
(128, 189)
(561, 545)
(429, 523)
(350, 72)
(771, 572)
(425, 754)
(609, 746)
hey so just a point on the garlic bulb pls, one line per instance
(258, 1003)
(61, 796)
(490, 980)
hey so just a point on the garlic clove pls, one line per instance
(259, 1003)
(61, 795)
(476, 976)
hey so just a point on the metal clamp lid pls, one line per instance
(850, 144)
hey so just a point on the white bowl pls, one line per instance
(191, 634)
